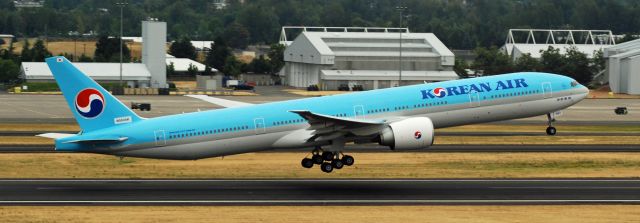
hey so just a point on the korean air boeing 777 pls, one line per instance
(401, 118)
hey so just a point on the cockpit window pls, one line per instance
(574, 83)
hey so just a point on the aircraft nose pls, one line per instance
(583, 92)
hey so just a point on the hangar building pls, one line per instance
(534, 41)
(369, 57)
(623, 67)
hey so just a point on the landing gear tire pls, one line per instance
(551, 130)
(327, 156)
(307, 163)
(317, 159)
(337, 164)
(326, 167)
(348, 160)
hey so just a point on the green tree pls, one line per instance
(183, 49)
(217, 56)
(259, 65)
(192, 70)
(598, 61)
(25, 54)
(492, 61)
(171, 69)
(552, 61)
(233, 67)
(85, 58)
(108, 50)
(276, 57)
(207, 71)
(527, 63)
(578, 66)
(39, 51)
(9, 71)
(237, 36)
(460, 67)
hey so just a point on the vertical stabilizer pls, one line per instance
(93, 107)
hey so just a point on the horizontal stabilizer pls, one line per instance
(54, 135)
(219, 101)
(99, 140)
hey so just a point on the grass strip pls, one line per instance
(391, 214)
(287, 165)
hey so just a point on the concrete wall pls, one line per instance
(633, 75)
(154, 37)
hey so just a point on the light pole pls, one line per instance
(401, 10)
(121, 5)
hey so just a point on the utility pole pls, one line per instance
(401, 9)
(121, 5)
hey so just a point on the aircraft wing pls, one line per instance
(219, 101)
(326, 127)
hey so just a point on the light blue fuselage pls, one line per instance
(262, 127)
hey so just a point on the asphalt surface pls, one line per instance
(433, 149)
(318, 192)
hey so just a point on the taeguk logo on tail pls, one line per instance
(417, 135)
(90, 103)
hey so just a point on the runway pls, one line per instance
(318, 192)
(434, 149)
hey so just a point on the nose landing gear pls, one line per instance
(327, 160)
(551, 130)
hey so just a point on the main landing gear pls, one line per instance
(327, 160)
(550, 130)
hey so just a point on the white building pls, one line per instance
(534, 41)
(134, 74)
(367, 58)
(623, 67)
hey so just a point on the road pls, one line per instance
(318, 191)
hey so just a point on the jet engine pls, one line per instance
(411, 133)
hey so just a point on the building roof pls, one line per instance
(97, 71)
(515, 50)
(622, 48)
(388, 75)
(202, 45)
(377, 44)
(182, 64)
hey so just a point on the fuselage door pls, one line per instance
(546, 90)
(259, 124)
(358, 111)
(474, 99)
(159, 137)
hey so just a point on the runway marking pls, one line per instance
(37, 112)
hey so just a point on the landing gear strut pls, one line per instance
(550, 130)
(327, 160)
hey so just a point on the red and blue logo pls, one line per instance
(90, 103)
(417, 135)
(439, 92)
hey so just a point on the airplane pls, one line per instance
(402, 118)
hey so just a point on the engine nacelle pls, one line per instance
(411, 133)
